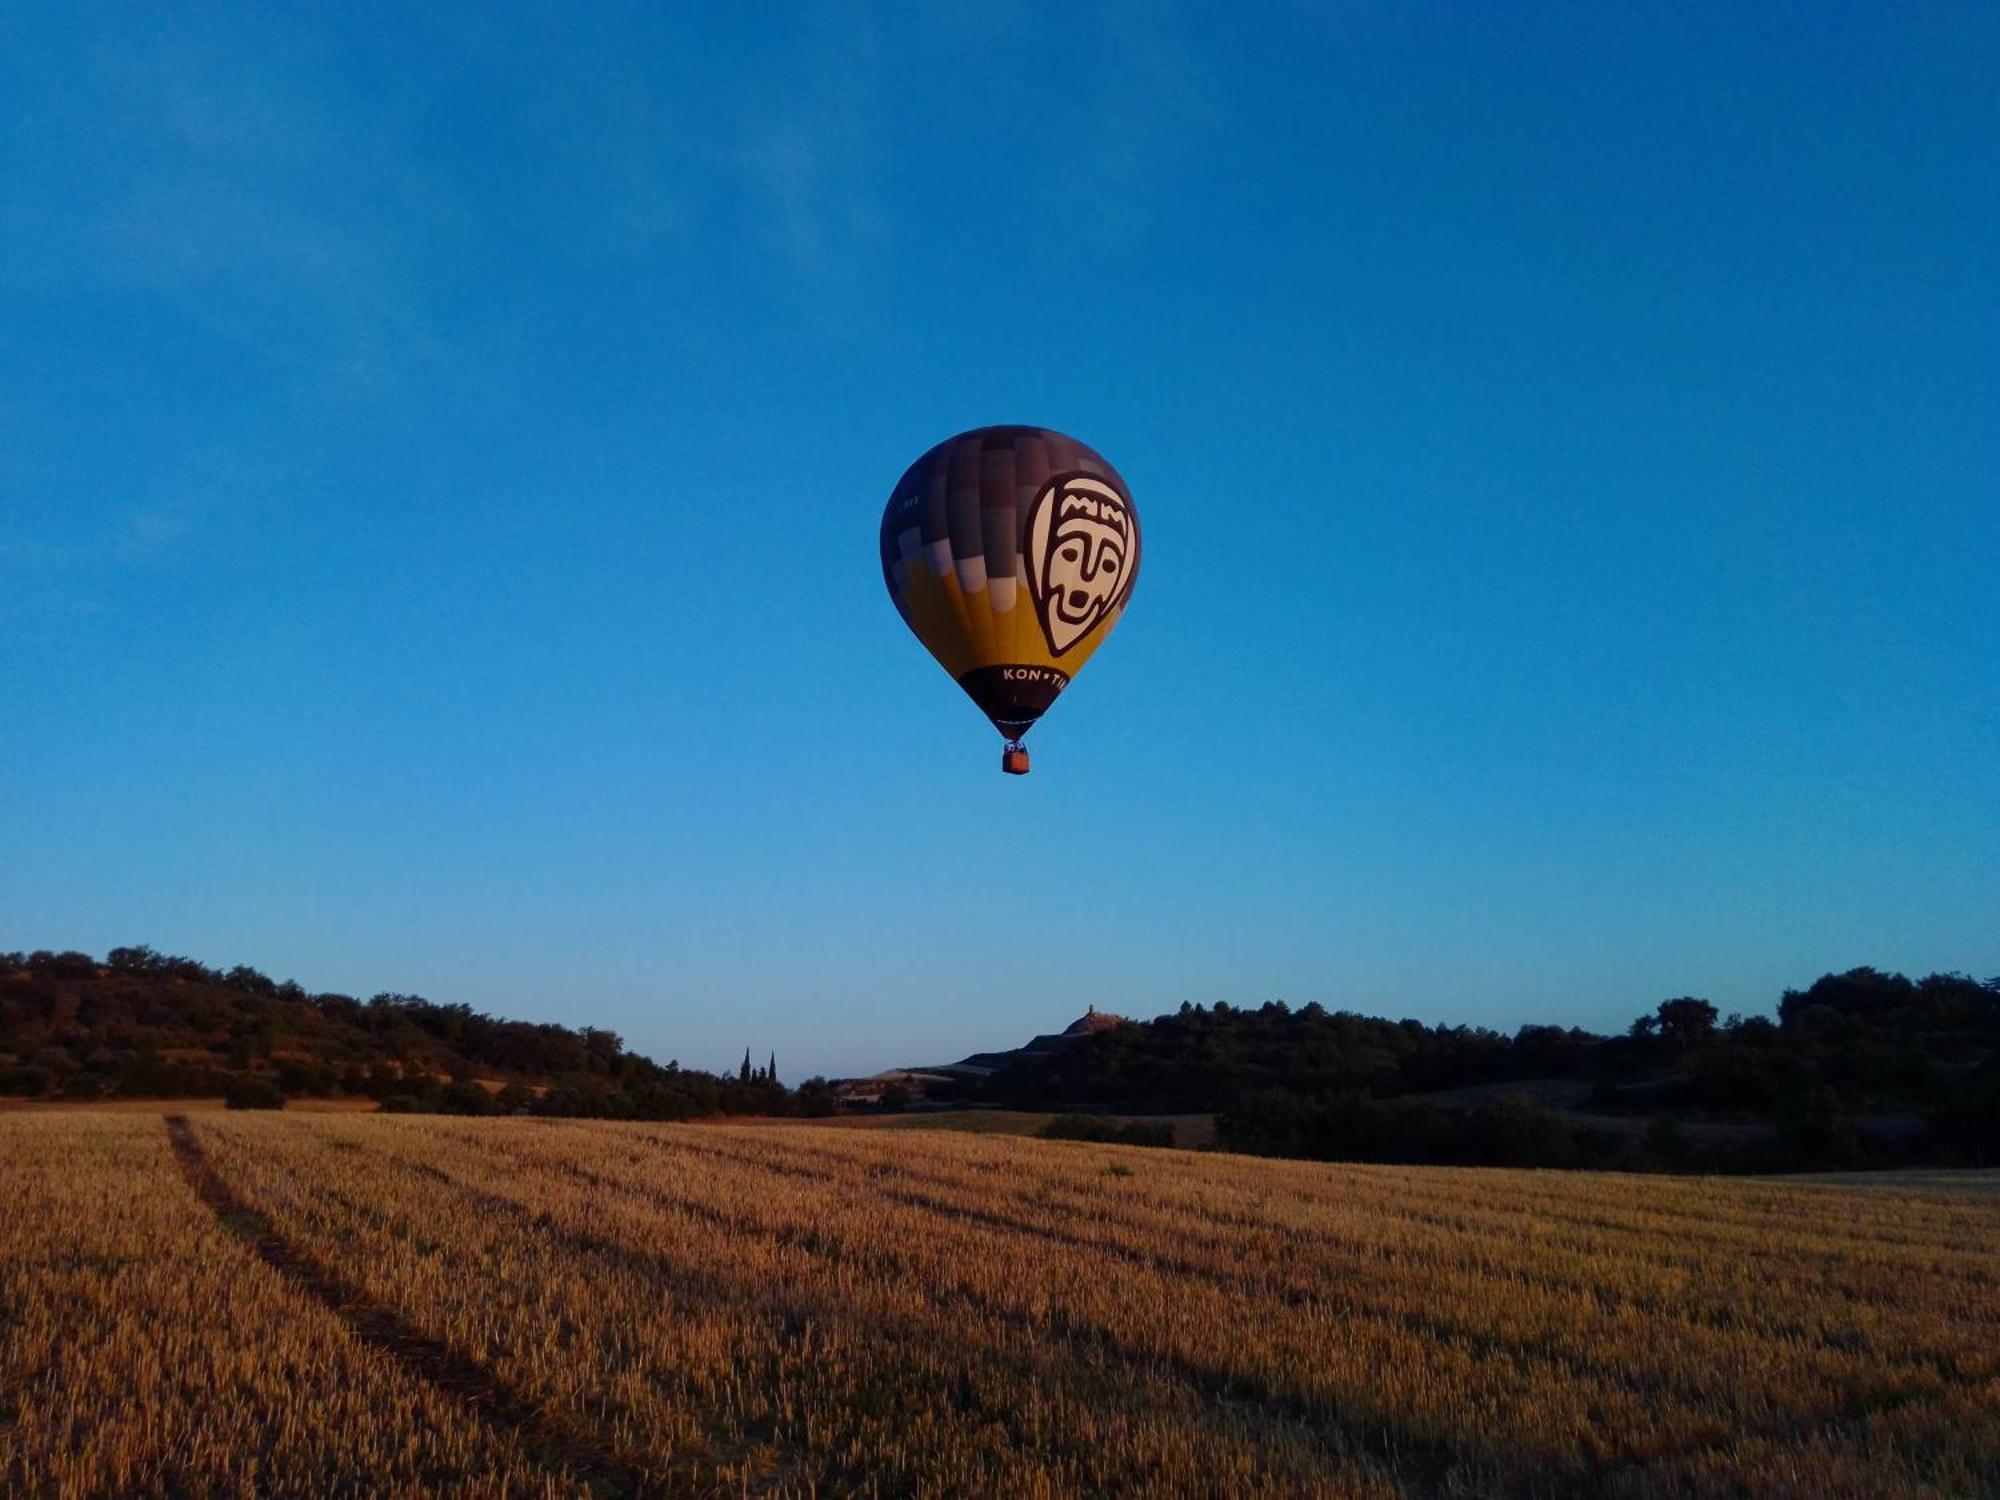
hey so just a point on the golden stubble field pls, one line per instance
(358, 1305)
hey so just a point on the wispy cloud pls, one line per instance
(1145, 103)
(815, 156)
(214, 163)
(151, 532)
(79, 571)
(809, 155)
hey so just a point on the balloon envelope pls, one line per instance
(1011, 552)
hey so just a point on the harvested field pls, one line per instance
(343, 1304)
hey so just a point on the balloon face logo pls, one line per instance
(1079, 563)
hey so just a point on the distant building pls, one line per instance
(1093, 1021)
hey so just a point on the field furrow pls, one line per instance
(145, 1350)
(446, 1370)
(856, 1371)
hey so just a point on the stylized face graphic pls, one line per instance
(1081, 542)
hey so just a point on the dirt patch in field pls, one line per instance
(1191, 1132)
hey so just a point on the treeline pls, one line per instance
(1515, 1130)
(1858, 1069)
(143, 1024)
(682, 1095)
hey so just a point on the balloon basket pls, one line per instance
(1014, 759)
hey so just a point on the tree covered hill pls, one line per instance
(142, 1024)
(1858, 1067)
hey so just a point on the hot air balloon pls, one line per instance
(1010, 553)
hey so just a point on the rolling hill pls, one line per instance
(141, 1024)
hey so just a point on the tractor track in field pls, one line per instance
(540, 1433)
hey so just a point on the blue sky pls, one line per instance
(440, 458)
